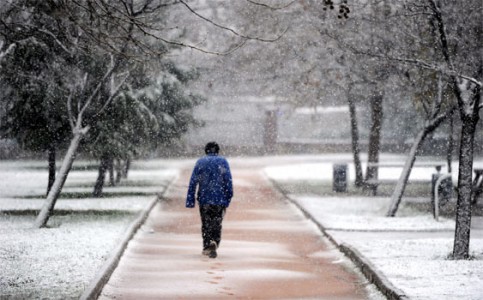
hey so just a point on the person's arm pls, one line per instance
(190, 198)
(227, 183)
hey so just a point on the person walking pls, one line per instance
(211, 184)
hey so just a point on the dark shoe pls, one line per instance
(206, 252)
(212, 249)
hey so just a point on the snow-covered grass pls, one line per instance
(420, 268)
(59, 262)
(410, 250)
(55, 263)
(323, 171)
(368, 214)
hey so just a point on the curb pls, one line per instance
(371, 273)
(365, 266)
(94, 289)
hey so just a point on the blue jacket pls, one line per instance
(212, 176)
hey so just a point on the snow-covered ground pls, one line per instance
(58, 262)
(410, 250)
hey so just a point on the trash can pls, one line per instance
(339, 182)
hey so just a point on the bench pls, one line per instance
(436, 165)
(477, 184)
(372, 184)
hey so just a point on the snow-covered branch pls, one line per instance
(113, 94)
(95, 92)
(437, 118)
(56, 40)
(69, 111)
(426, 65)
(12, 46)
(467, 93)
(145, 109)
(9, 50)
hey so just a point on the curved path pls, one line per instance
(269, 250)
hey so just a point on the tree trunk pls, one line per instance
(103, 167)
(118, 171)
(51, 162)
(374, 139)
(449, 153)
(406, 172)
(126, 169)
(110, 167)
(46, 211)
(430, 126)
(359, 180)
(465, 188)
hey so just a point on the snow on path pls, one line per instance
(269, 250)
(56, 263)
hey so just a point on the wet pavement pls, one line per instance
(269, 250)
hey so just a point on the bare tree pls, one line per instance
(435, 115)
(457, 56)
(363, 28)
(443, 37)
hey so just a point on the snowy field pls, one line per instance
(59, 262)
(410, 250)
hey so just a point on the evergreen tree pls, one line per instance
(150, 112)
(33, 98)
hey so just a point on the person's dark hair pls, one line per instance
(212, 148)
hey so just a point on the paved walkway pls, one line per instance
(269, 250)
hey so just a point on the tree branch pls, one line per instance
(269, 6)
(142, 27)
(425, 65)
(438, 118)
(439, 98)
(69, 111)
(114, 93)
(56, 40)
(96, 90)
(9, 50)
(442, 33)
(416, 62)
(229, 29)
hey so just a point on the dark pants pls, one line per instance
(211, 218)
